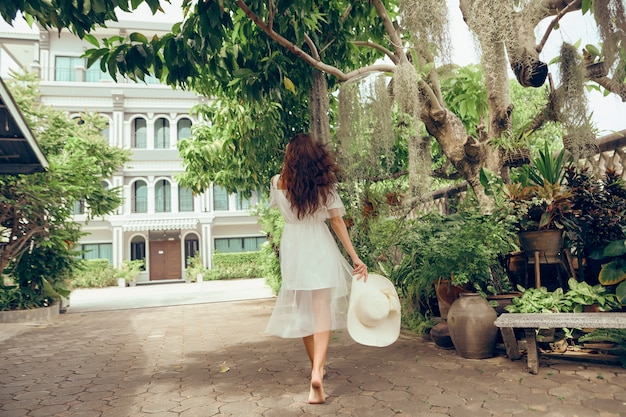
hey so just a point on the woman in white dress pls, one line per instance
(313, 299)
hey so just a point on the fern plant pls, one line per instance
(617, 336)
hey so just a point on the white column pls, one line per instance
(173, 133)
(150, 131)
(174, 190)
(117, 120)
(151, 207)
(128, 198)
(206, 245)
(118, 246)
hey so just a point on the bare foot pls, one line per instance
(316, 393)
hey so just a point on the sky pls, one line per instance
(609, 113)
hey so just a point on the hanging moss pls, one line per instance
(383, 137)
(610, 17)
(580, 139)
(427, 23)
(406, 89)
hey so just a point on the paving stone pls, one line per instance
(165, 362)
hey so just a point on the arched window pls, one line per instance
(138, 249)
(183, 129)
(161, 133)
(139, 134)
(162, 197)
(140, 197)
(185, 199)
(192, 245)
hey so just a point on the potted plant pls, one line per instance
(613, 270)
(538, 203)
(462, 252)
(129, 271)
(582, 296)
(195, 269)
(600, 203)
(541, 202)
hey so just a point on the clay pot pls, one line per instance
(548, 243)
(470, 320)
(440, 334)
(503, 300)
(446, 295)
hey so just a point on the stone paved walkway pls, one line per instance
(213, 359)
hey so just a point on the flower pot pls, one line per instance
(446, 295)
(517, 157)
(470, 321)
(121, 282)
(548, 243)
(596, 70)
(516, 268)
(440, 334)
(503, 300)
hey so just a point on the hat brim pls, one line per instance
(387, 330)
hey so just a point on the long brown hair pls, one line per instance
(309, 174)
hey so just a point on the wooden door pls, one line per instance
(165, 261)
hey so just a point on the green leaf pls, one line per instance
(138, 37)
(613, 273)
(620, 292)
(592, 50)
(615, 248)
(92, 40)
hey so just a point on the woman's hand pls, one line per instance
(360, 269)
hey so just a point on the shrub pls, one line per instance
(272, 223)
(94, 273)
(236, 265)
(16, 298)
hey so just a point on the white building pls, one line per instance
(159, 221)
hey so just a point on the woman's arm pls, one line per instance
(340, 229)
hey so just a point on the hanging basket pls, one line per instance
(517, 157)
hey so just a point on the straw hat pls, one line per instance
(374, 311)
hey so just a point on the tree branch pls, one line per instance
(298, 52)
(612, 85)
(378, 47)
(391, 31)
(311, 44)
(441, 173)
(574, 5)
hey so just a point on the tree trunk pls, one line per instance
(318, 108)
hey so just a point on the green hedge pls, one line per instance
(94, 273)
(235, 265)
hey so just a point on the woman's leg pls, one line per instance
(320, 341)
(308, 344)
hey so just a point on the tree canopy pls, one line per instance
(36, 209)
(263, 50)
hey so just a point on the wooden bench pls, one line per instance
(530, 322)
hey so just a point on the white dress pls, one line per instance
(315, 276)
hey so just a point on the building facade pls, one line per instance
(159, 221)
